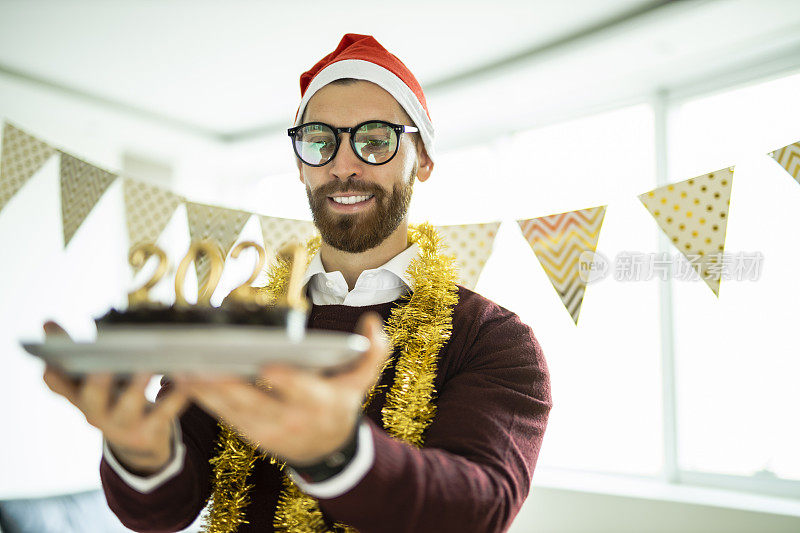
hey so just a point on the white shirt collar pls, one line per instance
(395, 269)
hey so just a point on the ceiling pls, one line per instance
(228, 67)
(226, 74)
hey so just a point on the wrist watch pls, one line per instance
(332, 464)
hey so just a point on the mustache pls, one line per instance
(347, 186)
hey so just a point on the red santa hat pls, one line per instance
(362, 57)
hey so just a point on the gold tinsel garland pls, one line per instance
(419, 327)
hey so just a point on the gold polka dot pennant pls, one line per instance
(147, 210)
(82, 185)
(471, 244)
(280, 231)
(694, 215)
(789, 158)
(558, 242)
(221, 225)
(22, 156)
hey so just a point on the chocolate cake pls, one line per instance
(228, 314)
(245, 306)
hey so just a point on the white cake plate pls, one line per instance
(229, 349)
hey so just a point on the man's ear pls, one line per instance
(425, 163)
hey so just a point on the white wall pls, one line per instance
(46, 446)
(51, 449)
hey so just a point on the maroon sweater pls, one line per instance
(473, 473)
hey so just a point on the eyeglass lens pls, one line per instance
(375, 142)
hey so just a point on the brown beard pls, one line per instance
(358, 232)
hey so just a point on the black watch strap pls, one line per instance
(333, 463)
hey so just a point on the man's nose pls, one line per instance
(345, 163)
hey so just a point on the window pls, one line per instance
(605, 374)
(736, 358)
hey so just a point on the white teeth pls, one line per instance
(351, 199)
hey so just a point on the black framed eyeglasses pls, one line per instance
(375, 142)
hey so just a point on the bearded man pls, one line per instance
(436, 428)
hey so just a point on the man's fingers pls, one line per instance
(131, 403)
(368, 368)
(372, 327)
(51, 329)
(230, 400)
(94, 397)
(169, 406)
(294, 385)
(60, 384)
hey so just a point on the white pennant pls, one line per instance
(472, 245)
(221, 225)
(82, 185)
(147, 210)
(280, 231)
(23, 155)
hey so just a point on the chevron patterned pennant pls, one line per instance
(558, 242)
(23, 155)
(789, 158)
(694, 215)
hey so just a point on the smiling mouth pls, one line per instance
(353, 200)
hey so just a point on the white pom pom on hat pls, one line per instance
(362, 57)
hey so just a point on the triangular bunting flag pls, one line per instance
(147, 210)
(221, 225)
(694, 215)
(472, 245)
(82, 185)
(23, 155)
(789, 158)
(279, 231)
(558, 242)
